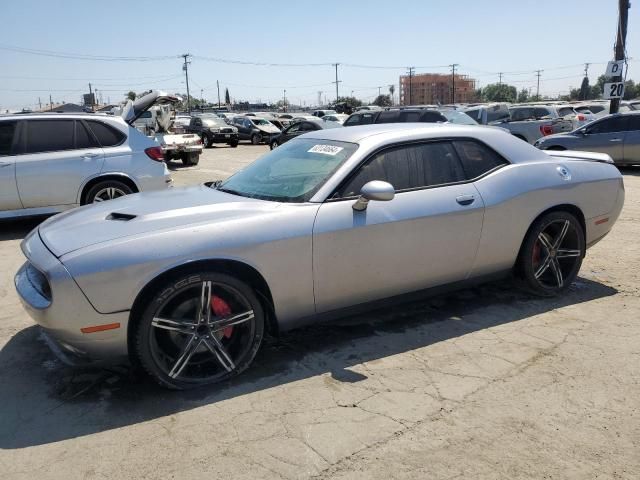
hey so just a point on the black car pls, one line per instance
(255, 129)
(212, 129)
(299, 128)
(366, 117)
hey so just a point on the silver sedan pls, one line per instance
(186, 282)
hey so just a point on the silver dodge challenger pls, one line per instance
(186, 282)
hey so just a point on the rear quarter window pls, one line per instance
(106, 134)
(7, 131)
(477, 159)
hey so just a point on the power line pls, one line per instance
(82, 56)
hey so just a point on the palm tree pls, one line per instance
(392, 89)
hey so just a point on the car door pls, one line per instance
(196, 125)
(59, 155)
(427, 235)
(9, 198)
(606, 136)
(291, 131)
(631, 151)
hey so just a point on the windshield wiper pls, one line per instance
(232, 192)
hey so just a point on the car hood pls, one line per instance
(143, 213)
(268, 128)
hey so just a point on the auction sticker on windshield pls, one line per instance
(326, 149)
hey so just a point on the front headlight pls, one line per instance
(214, 130)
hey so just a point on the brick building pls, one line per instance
(433, 88)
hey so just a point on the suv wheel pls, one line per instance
(206, 142)
(255, 139)
(274, 144)
(190, 159)
(107, 190)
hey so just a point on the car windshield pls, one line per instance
(458, 117)
(259, 121)
(293, 172)
(213, 122)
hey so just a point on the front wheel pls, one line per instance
(552, 253)
(255, 139)
(198, 329)
(233, 144)
(274, 144)
(107, 190)
(206, 141)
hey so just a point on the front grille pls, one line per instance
(38, 281)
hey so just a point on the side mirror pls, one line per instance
(374, 190)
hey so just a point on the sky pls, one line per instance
(482, 37)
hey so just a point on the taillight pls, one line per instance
(154, 153)
(581, 118)
(546, 130)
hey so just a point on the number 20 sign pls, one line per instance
(613, 90)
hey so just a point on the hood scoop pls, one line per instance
(122, 217)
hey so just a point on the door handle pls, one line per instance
(465, 199)
(90, 155)
(615, 140)
(4, 164)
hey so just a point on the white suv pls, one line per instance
(52, 162)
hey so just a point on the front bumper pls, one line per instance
(62, 310)
(225, 138)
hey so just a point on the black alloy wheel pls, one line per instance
(552, 253)
(199, 329)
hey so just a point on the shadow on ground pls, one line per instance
(44, 401)
(18, 229)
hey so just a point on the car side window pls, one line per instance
(409, 116)
(84, 139)
(432, 117)
(408, 167)
(352, 120)
(609, 125)
(388, 117)
(293, 128)
(49, 135)
(107, 136)
(477, 159)
(541, 112)
(7, 132)
(367, 119)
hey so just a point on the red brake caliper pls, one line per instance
(536, 253)
(221, 309)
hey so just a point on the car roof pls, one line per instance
(50, 115)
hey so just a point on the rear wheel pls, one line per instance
(206, 141)
(274, 144)
(233, 144)
(255, 139)
(552, 253)
(107, 190)
(190, 158)
(198, 329)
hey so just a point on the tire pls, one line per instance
(233, 144)
(255, 139)
(551, 254)
(165, 339)
(274, 144)
(190, 159)
(206, 141)
(107, 190)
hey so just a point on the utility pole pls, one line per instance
(284, 100)
(538, 84)
(50, 103)
(337, 81)
(40, 103)
(620, 47)
(218, 85)
(201, 97)
(500, 79)
(453, 82)
(185, 67)
(90, 96)
(411, 69)
(586, 69)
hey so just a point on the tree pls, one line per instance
(131, 95)
(585, 89)
(631, 90)
(227, 97)
(523, 96)
(382, 101)
(392, 89)
(499, 92)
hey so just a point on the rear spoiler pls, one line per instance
(577, 155)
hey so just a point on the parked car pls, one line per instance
(487, 113)
(331, 220)
(299, 128)
(212, 130)
(530, 122)
(335, 117)
(181, 123)
(255, 129)
(617, 135)
(322, 113)
(404, 115)
(53, 162)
